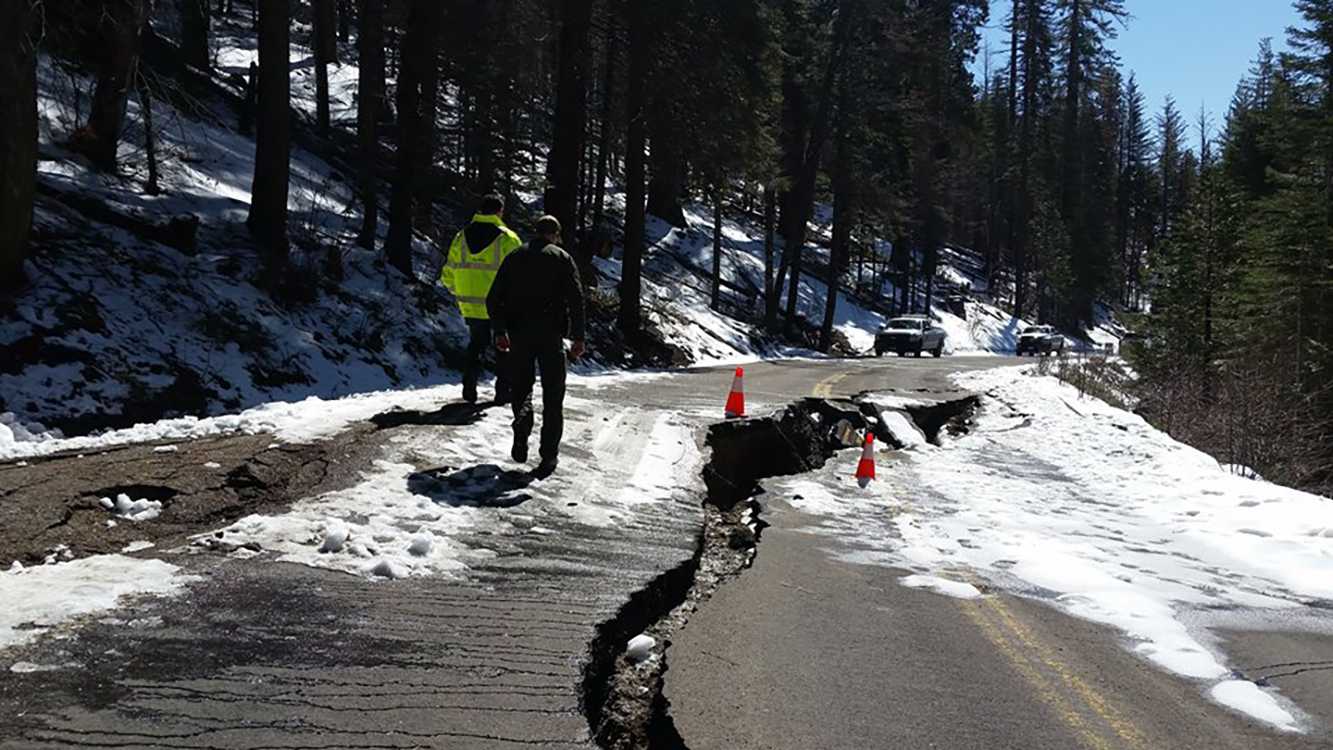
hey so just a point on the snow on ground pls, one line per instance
(986, 330)
(297, 422)
(55, 593)
(1071, 500)
(301, 421)
(403, 520)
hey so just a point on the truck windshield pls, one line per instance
(907, 323)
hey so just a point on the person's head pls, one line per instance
(548, 228)
(492, 205)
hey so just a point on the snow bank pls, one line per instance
(53, 594)
(1088, 506)
(301, 421)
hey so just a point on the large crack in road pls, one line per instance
(623, 697)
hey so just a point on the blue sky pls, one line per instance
(1195, 50)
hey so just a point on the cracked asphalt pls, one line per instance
(260, 654)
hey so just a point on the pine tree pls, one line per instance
(18, 139)
(416, 126)
(120, 26)
(571, 116)
(639, 51)
(325, 50)
(268, 193)
(194, 33)
(369, 108)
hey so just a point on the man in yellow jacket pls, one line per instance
(469, 271)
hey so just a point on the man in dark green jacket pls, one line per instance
(535, 301)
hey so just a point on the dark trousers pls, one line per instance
(528, 354)
(480, 340)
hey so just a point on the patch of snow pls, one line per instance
(27, 667)
(166, 449)
(955, 589)
(133, 510)
(46, 596)
(335, 536)
(903, 429)
(421, 545)
(138, 546)
(429, 521)
(298, 422)
(1249, 699)
(640, 647)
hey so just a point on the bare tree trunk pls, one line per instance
(635, 145)
(18, 139)
(570, 116)
(120, 25)
(369, 105)
(194, 33)
(268, 195)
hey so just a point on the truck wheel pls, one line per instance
(902, 354)
(917, 354)
(939, 351)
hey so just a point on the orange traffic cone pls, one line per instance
(865, 471)
(736, 401)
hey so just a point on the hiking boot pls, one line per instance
(546, 468)
(520, 450)
(470, 394)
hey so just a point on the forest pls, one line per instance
(1212, 239)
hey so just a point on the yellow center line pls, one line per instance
(1045, 691)
(1094, 700)
(824, 388)
(1037, 652)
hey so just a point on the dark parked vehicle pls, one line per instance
(912, 334)
(1040, 340)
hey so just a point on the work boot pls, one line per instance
(520, 450)
(546, 468)
(470, 393)
(503, 396)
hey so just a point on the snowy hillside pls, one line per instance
(144, 307)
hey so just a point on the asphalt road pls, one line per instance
(801, 651)
(805, 651)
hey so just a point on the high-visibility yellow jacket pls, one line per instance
(469, 272)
